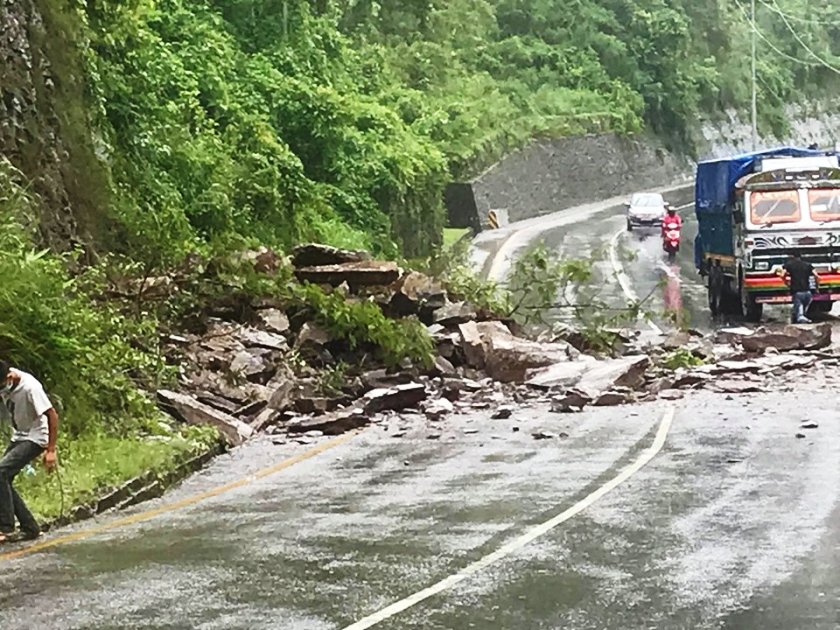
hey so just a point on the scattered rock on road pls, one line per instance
(395, 398)
(790, 337)
(503, 413)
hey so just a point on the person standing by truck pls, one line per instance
(35, 421)
(801, 279)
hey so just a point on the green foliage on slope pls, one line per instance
(341, 120)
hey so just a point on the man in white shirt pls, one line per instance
(26, 405)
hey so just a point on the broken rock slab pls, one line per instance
(437, 409)
(608, 375)
(612, 399)
(791, 337)
(455, 313)
(415, 291)
(560, 375)
(274, 320)
(573, 401)
(191, 411)
(355, 274)
(509, 359)
(394, 398)
(729, 386)
(263, 339)
(317, 255)
(335, 423)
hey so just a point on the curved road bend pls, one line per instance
(627, 264)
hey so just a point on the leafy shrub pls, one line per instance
(363, 322)
(80, 350)
(681, 358)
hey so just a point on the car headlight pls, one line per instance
(762, 266)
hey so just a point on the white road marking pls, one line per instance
(520, 234)
(527, 538)
(623, 280)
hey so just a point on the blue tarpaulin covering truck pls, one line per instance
(753, 210)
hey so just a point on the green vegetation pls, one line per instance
(88, 356)
(201, 127)
(681, 358)
(342, 120)
(453, 235)
(362, 323)
(99, 461)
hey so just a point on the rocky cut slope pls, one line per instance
(45, 130)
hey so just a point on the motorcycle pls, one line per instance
(671, 239)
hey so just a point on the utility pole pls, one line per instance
(754, 78)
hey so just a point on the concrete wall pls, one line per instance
(551, 175)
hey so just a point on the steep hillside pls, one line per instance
(163, 126)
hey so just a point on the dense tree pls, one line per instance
(343, 119)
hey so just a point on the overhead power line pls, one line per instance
(821, 61)
(769, 43)
(775, 8)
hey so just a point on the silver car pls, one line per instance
(645, 210)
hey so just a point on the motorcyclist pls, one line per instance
(670, 218)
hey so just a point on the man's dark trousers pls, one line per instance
(15, 459)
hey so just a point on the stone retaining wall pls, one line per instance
(555, 174)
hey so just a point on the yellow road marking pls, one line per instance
(178, 505)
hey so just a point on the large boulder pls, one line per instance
(334, 423)
(607, 375)
(791, 337)
(354, 274)
(509, 359)
(191, 411)
(417, 293)
(492, 347)
(394, 398)
(455, 313)
(317, 255)
(561, 376)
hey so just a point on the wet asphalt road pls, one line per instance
(732, 525)
(667, 289)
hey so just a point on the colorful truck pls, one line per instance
(753, 211)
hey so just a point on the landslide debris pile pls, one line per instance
(268, 368)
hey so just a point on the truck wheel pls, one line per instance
(715, 292)
(752, 310)
(629, 226)
(821, 307)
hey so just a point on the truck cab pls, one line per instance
(753, 212)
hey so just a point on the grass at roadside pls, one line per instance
(452, 236)
(92, 464)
